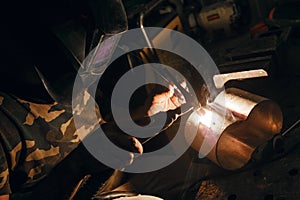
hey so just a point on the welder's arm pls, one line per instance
(4, 175)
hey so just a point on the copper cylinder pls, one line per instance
(233, 126)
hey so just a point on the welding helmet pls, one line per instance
(48, 40)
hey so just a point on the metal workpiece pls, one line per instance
(233, 126)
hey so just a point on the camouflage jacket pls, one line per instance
(33, 139)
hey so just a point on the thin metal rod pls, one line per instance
(165, 128)
(289, 129)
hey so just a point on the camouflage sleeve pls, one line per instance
(4, 174)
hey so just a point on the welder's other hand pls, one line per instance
(169, 100)
(123, 141)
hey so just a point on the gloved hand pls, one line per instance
(166, 101)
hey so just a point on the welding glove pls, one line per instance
(166, 101)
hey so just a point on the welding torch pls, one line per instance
(188, 101)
